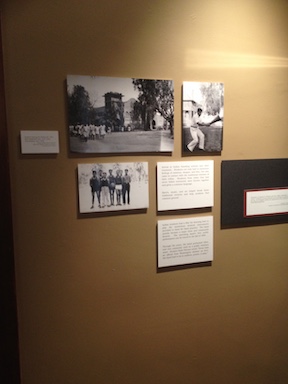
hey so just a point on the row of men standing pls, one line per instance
(106, 187)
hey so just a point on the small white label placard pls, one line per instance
(270, 201)
(33, 142)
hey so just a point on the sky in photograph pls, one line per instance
(191, 91)
(97, 86)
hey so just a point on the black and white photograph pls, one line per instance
(105, 187)
(120, 115)
(202, 117)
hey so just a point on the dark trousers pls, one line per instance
(126, 192)
(97, 191)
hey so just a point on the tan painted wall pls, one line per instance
(92, 307)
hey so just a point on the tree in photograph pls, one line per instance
(79, 106)
(165, 101)
(213, 94)
(145, 106)
(154, 96)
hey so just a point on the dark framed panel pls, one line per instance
(240, 176)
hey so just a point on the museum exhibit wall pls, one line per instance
(92, 306)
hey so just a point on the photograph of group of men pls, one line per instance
(105, 187)
(112, 186)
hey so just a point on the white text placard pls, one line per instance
(185, 241)
(33, 142)
(185, 184)
(267, 201)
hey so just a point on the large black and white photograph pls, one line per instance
(120, 115)
(115, 186)
(202, 117)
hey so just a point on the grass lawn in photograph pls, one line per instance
(212, 143)
(135, 141)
